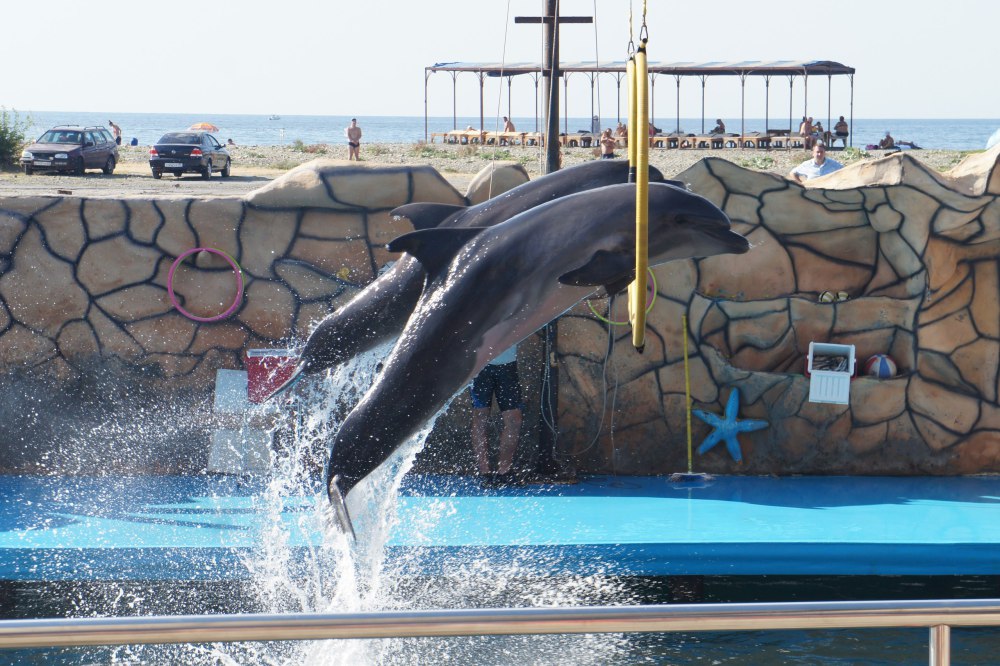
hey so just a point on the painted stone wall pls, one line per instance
(100, 370)
(102, 374)
(916, 253)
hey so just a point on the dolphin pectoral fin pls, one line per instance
(434, 248)
(426, 215)
(618, 286)
(604, 268)
(339, 505)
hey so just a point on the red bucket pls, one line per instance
(267, 369)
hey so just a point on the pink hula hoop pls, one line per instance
(239, 285)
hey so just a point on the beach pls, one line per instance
(255, 166)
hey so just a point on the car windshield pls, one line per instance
(61, 136)
(191, 138)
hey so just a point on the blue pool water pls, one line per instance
(200, 527)
(151, 545)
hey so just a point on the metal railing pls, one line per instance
(938, 616)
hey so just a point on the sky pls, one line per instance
(914, 58)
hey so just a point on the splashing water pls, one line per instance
(338, 576)
(300, 562)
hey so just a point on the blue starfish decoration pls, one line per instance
(728, 427)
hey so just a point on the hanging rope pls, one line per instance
(496, 118)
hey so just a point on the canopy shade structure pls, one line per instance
(616, 69)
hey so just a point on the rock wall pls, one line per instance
(916, 253)
(101, 371)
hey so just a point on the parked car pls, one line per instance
(71, 148)
(189, 152)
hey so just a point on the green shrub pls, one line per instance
(490, 155)
(852, 154)
(299, 146)
(12, 136)
(758, 162)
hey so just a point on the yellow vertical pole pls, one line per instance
(637, 290)
(631, 135)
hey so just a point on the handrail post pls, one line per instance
(940, 645)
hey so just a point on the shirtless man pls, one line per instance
(353, 134)
(117, 131)
(806, 132)
(887, 142)
(508, 125)
(608, 144)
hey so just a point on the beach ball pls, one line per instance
(881, 366)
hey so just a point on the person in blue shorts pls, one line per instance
(499, 378)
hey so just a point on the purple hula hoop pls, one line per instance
(239, 285)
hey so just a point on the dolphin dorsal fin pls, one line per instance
(604, 268)
(434, 248)
(426, 215)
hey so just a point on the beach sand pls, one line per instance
(254, 166)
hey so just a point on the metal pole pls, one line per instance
(805, 94)
(550, 65)
(767, 103)
(427, 76)
(652, 98)
(791, 95)
(940, 645)
(677, 77)
(566, 102)
(703, 79)
(454, 104)
(743, 107)
(482, 123)
(829, 90)
(852, 109)
(937, 615)
(509, 114)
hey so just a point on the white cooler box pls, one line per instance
(830, 369)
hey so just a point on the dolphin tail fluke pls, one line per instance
(339, 505)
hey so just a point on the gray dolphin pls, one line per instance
(488, 289)
(380, 310)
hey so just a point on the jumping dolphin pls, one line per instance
(488, 289)
(379, 312)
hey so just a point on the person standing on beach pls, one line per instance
(498, 378)
(608, 144)
(818, 166)
(117, 131)
(353, 133)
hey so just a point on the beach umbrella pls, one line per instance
(207, 127)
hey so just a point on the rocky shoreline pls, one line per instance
(458, 159)
(256, 166)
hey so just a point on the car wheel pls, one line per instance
(226, 169)
(157, 174)
(28, 170)
(79, 167)
(206, 172)
(109, 166)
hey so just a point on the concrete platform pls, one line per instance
(201, 528)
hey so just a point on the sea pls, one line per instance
(261, 130)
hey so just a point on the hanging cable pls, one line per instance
(496, 118)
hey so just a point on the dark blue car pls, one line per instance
(189, 151)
